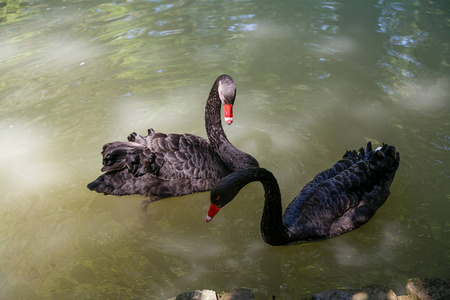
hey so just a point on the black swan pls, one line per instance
(166, 165)
(336, 201)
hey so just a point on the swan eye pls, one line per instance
(216, 200)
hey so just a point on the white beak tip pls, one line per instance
(228, 120)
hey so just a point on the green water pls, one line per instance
(314, 78)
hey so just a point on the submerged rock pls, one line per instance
(428, 289)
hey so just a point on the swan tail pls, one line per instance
(383, 159)
(368, 166)
(382, 164)
(123, 162)
(134, 157)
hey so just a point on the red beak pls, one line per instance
(228, 113)
(213, 210)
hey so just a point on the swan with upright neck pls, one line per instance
(336, 201)
(165, 165)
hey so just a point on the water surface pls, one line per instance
(314, 78)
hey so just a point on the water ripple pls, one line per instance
(157, 33)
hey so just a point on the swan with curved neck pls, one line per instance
(336, 201)
(165, 165)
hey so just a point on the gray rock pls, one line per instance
(369, 292)
(237, 294)
(417, 288)
(428, 289)
(197, 295)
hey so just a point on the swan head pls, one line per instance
(227, 189)
(227, 94)
(217, 202)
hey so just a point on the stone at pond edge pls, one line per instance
(417, 288)
(428, 289)
(197, 295)
(367, 292)
(236, 294)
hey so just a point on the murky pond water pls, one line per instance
(314, 78)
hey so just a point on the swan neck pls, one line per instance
(273, 230)
(234, 158)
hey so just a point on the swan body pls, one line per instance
(165, 165)
(336, 201)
